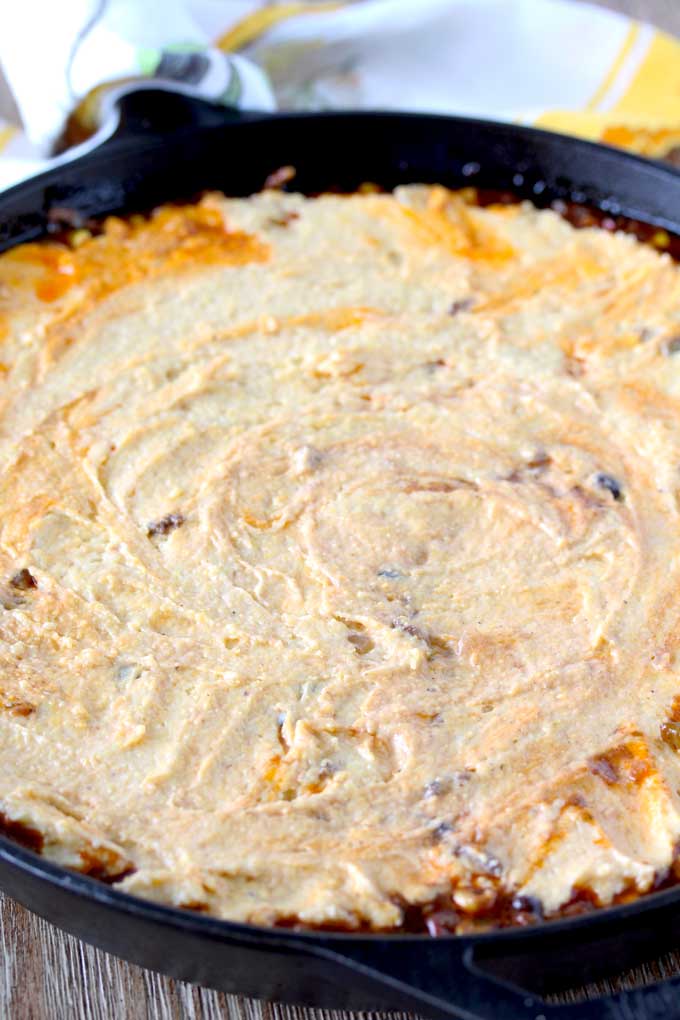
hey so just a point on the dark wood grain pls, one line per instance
(47, 975)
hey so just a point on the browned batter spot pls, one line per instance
(23, 580)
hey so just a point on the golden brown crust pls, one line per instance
(338, 559)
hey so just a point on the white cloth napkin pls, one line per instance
(556, 63)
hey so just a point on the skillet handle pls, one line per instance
(438, 979)
(150, 111)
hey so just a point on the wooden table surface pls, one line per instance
(47, 975)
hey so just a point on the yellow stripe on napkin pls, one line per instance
(7, 133)
(617, 66)
(654, 92)
(637, 104)
(254, 25)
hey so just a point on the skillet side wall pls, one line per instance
(340, 971)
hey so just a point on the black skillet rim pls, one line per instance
(93, 889)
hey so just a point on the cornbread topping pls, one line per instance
(339, 559)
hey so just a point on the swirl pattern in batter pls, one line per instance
(339, 553)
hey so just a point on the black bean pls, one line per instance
(528, 905)
(408, 628)
(436, 788)
(165, 525)
(610, 485)
(441, 831)
(461, 305)
(433, 366)
(671, 346)
(480, 860)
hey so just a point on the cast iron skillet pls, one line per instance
(166, 146)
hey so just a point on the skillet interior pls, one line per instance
(141, 166)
